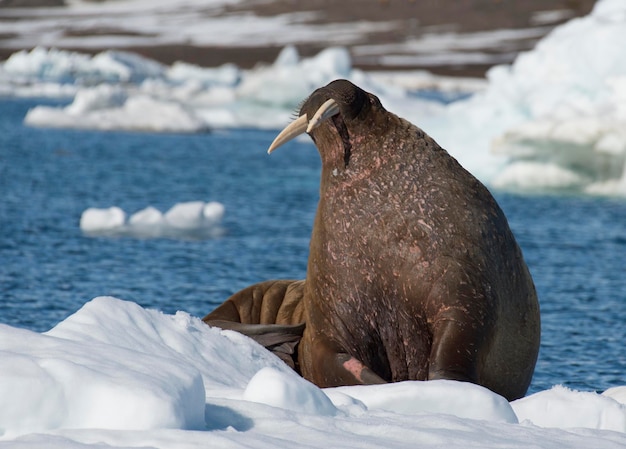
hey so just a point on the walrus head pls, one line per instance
(334, 116)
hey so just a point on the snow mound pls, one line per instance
(565, 408)
(115, 366)
(275, 388)
(193, 219)
(438, 396)
(59, 384)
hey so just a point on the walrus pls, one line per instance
(413, 272)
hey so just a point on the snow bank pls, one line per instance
(193, 219)
(174, 381)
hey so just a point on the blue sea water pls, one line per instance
(575, 246)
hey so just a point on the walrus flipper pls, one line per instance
(281, 339)
(332, 367)
(270, 312)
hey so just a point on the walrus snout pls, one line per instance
(338, 97)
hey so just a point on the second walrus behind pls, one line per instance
(413, 272)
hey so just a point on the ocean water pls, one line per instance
(575, 246)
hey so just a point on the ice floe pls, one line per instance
(193, 219)
(114, 374)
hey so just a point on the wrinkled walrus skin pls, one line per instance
(413, 272)
(271, 312)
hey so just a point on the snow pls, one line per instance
(562, 407)
(432, 397)
(279, 389)
(193, 219)
(114, 374)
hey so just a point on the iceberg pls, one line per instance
(556, 118)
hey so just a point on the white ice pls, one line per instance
(193, 219)
(553, 120)
(559, 112)
(116, 375)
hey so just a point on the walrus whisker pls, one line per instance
(325, 111)
(291, 131)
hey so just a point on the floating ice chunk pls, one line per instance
(558, 154)
(93, 219)
(186, 215)
(462, 399)
(94, 99)
(564, 408)
(149, 216)
(538, 176)
(68, 67)
(333, 62)
(286, 83)
(107, 108)
(148, 222)
(41, 64)
(126, 67)
(194, 219)
(288, 57)
(213, 213)
(562, 105)
(225, 75)
(288, 391)
(152, 114)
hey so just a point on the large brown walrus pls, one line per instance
(413, 272)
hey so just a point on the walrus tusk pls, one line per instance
(302, 124)
(293, 130)
(326, 111)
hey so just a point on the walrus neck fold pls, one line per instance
(342, 130)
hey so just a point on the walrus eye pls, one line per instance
(302, 124)
(326, 111)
